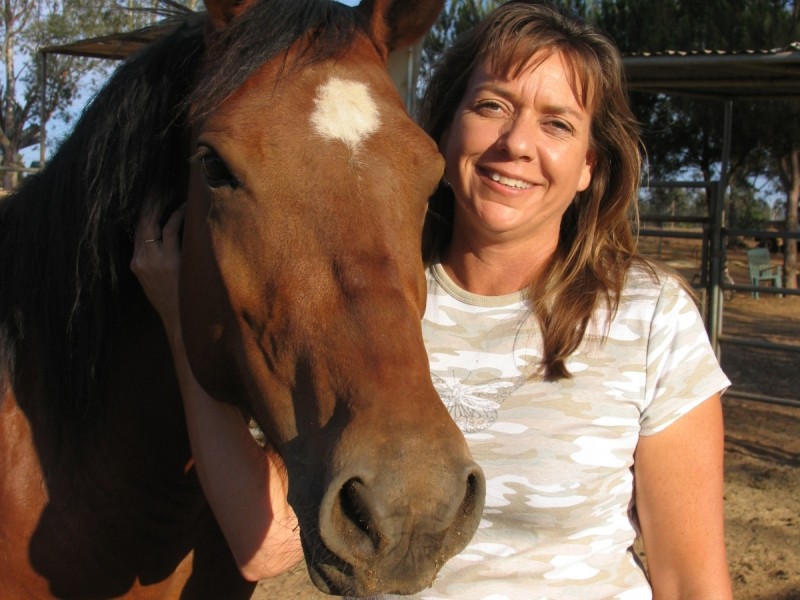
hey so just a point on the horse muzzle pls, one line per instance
(389, 531)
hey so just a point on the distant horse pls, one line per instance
(301, 294)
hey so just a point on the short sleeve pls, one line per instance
(682, 369)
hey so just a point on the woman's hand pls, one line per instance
(156, 263)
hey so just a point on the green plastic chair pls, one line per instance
(762, 270)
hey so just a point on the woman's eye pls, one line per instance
(561, 126)
(489, 107)
(216, 171)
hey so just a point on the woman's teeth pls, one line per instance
(516, 183)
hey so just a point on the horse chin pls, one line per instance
(327, 571)
(337, 577)
(401, 575)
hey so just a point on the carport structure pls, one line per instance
(724, 76)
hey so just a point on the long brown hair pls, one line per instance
(596, 245)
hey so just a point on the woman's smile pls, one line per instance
(504, 179)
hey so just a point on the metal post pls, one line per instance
(717, 239)
(42, 108)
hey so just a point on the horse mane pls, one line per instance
(66, 233)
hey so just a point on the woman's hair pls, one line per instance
(596, 245)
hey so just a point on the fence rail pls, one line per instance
(712, 275)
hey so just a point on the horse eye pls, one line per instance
(216, 172)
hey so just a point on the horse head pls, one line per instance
(303, 288)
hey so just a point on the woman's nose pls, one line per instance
(518, 139)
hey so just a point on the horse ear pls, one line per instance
(400, 23)
(221, 12)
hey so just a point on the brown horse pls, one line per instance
(301, 295)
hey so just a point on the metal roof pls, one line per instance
(750, 74)
(719, 74)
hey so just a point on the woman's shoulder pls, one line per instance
(649, 277)
(652, 289)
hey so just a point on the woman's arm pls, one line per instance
(245, 486)
(678, 477)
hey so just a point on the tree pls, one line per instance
(27, 26)
(457, 17)
(16, 18)
(686, 133)
(790, 169)
(782, 147)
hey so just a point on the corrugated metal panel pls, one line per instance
(747, 74)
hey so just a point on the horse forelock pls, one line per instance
(265, 32)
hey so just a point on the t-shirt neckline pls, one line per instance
(462, 295)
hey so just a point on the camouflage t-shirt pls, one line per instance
(559, 520)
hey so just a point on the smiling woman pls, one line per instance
(579, 371)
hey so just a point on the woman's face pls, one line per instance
(517, 152)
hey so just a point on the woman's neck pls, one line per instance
(495, 269)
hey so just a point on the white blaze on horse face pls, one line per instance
(345, 111)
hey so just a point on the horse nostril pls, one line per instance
(360, 524)
(474, 493)
(469, 497)
(474, 488)
(469, 513)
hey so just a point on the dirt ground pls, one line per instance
(762, 445)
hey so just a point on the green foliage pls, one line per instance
(746, 210)
(457, 17)
(676, 202)
(659, 25)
